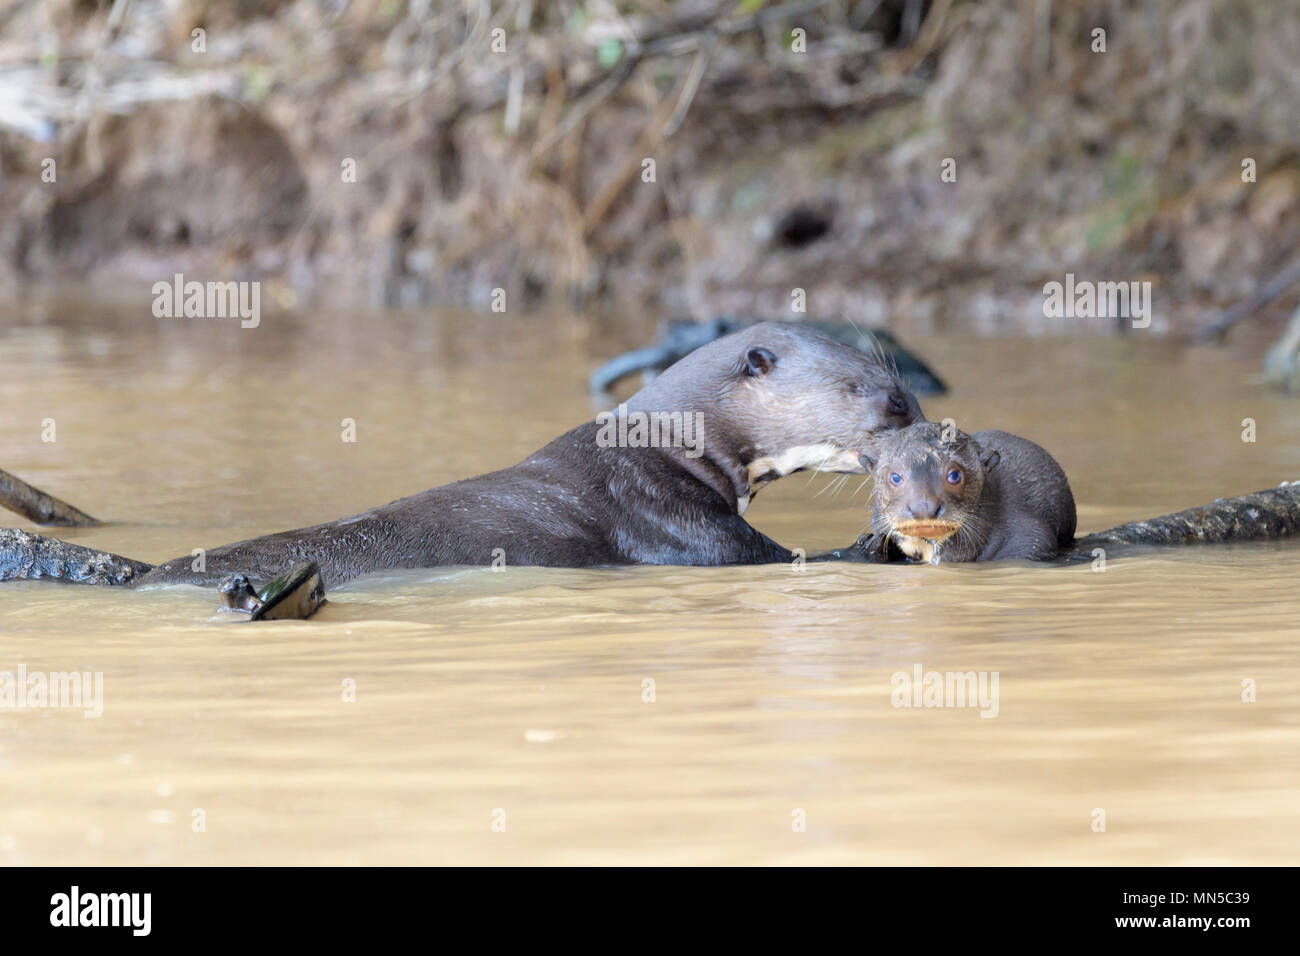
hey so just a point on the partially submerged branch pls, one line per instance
(35, 505)
(1271, 291)
(24, 555)
(1262, 516)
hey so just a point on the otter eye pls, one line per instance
(955, 476)
(895, 478)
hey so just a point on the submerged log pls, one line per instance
(1267, 515)
(295, 595)
(35, 505)
(26, 555)
(1262, 516)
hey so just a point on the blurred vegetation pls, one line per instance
(782, 159)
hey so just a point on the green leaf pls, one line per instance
(609, 53)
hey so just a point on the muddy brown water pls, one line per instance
(520, 699)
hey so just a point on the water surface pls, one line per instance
(524, 691)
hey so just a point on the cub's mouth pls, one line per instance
(931, 529)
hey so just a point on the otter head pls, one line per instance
(928, 480)
(776, 399)
(808, 402)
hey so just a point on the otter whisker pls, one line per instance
(829, 486)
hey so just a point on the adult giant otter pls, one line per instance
(665, 480)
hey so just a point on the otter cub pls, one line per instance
(941, 494)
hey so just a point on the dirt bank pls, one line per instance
(405, 153)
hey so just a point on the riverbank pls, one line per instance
(392, 155)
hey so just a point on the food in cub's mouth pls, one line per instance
(934, 531)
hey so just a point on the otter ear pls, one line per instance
(759, 361)
(989, 459)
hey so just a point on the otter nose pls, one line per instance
(924, 508)
(898, 403)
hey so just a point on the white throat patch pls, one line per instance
(922, 549)
(823, 457)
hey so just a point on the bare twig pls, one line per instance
(690, 88)
(687, 35)
(1273, 290)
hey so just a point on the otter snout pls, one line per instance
(898, 408)
(892, 409)
(925, 508)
